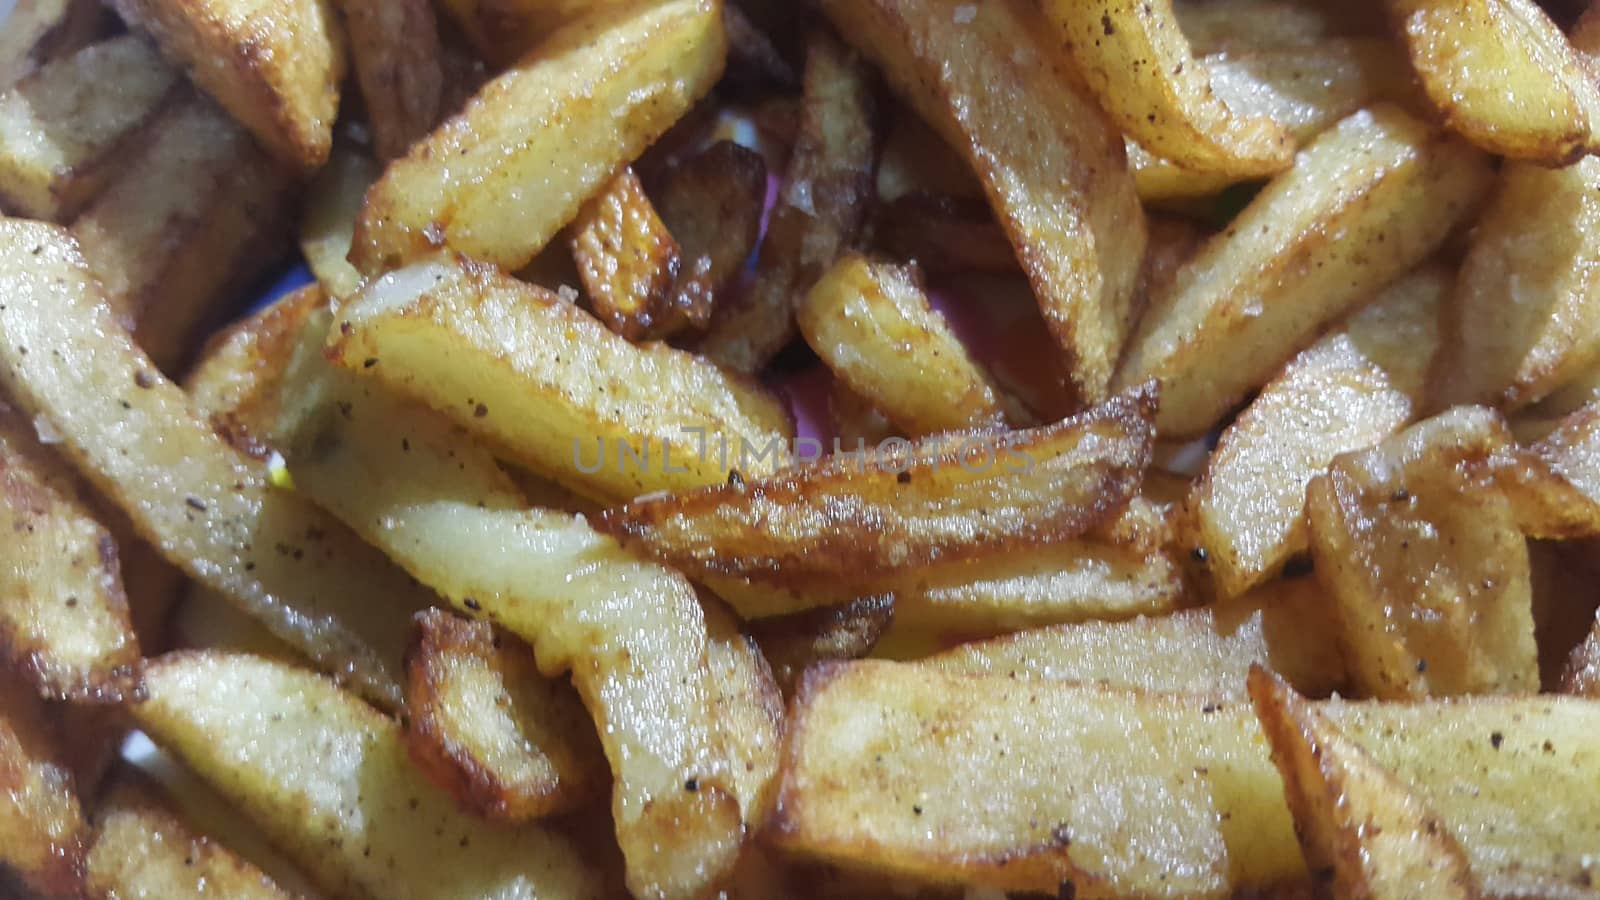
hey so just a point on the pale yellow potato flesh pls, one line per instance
(1245, 26)
(1554, 483)
(328, 228)
(38, 31)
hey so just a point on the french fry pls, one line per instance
(712, 203)
(550, 133)
(1388, 186)
(1502, 75)
(199, 214)
(820, 209)
(1554, 485)
(565, 391)
(210, 510)
(43, 834)
(795, 642)
(394, 48)
(942, 233)
(747, 704)
(38, 31)
(850, 518)
(1136, 61)
(871, 324)
(1350, 390)
(507, 742)
(1244, 26)
(274, 66)
(65, 128)
(1425, 563)
(328, 227)
(916, 160)
(329, 779)
(1526, 312)
(65, 632)
(1058, 181)
(1356, 820)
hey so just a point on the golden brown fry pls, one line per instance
(747, 704)
(42, 830)
(942, 233)
(1390, 189)
(795, 642)
(195, 218)
(1554, 485)
(507, 742)
(820, 209)
(712, 203)
(852, 517)
(1425, 563)
(1350, 390)
(1359, 824)
(1058, 182)
(1134, 57)
(394, 47)
(1502, 75)
(637, 279)
(498, 180)
(274, 65)
(209, 509)
(333, 202)
(38, 31)
(65, 129)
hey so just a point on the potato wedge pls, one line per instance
(1357, 821)
(43, 834)
(1503, 76)
(1388, 186)
(274, 65)
(195, 218)
(394, 47)
(65, 632)
(65, 129)
(1425, 563)
(1554, 485)
(38, 31)
(795, 642)
(1058, 182)
(1348, 391)
(871, 324)
(854, 517)
(327, 229)
(747, 704)
(210, 510)
(546, 135)
(713, 203)
(820, 209)
(328, 778)
(636, 277)
(1526, 313)
(1136, 61)
(1206, 651)
(509, 743)
(566, 395)
(942, 234)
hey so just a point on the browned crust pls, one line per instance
(943, 233)
(52, 864)
(636, 278)
(394, 47)
(712, 203)
(795, 643)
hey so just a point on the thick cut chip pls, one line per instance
(634, 272)
(1134, 57)
(1363, 204)
(334, 202)
(38, 31)
(795, 642)
(1525, 317)
(65, 129)
(329, 779)
(274, 65)
(509, 743)
(1428, 570)
(498, 180)
(1350, 390)
(855, 517)
(1503, 76)
(394, 47)
(209, 509)
(1356, 820)
(551, 388)
(42, 830)
(984, 75)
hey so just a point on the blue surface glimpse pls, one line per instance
(277, 286)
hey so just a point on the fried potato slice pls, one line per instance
(1503, 76)
(42, 830)
(819, 212)
(545, 136)
(1356, 820)
(871, 324)
(795, 642)
(712, 202)
(1525, 318)
(942, 234)
(1128, 793)
(65, 129)
(141, 849)
(328, 778)
(507, 742)
(849, 518)
(1058, 182)
(1554, 485)
(333, 202)
(1387, 186)
(1348, 391)
(195, 218)
(1208, 650)
(394, 47)
(748, 707)
(564, 388)
(1425, 562)
(916, 160)
(636, 277)
(65, 631)
(210, 510)
(38, 31)
(274, 65)
(1134, 58)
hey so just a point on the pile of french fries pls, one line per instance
(763, 449)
